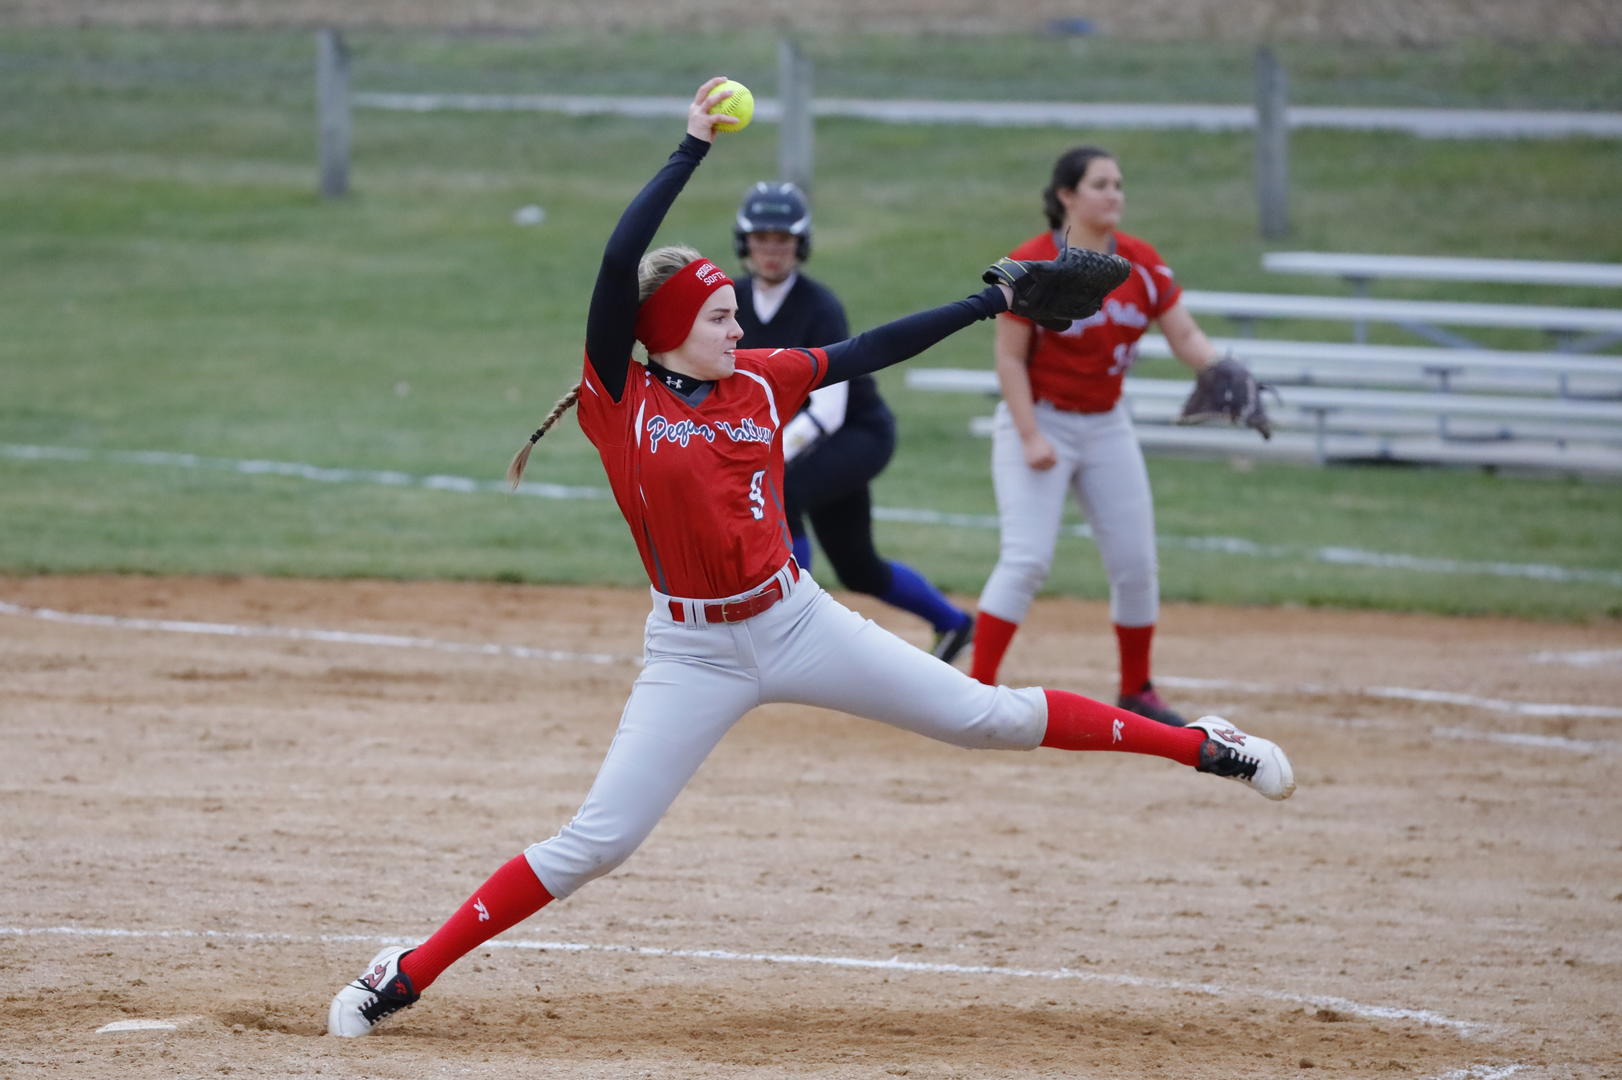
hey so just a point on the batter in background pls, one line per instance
(1061, 427)
(844, 436)
(691, 444)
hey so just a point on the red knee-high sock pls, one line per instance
(1080, 723)
(512, 895)
(991, 638)
(1133, 642)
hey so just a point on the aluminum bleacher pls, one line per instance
(1328, 424)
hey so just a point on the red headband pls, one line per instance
(666, 317)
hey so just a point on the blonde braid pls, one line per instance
(654, 269)
(515, 470)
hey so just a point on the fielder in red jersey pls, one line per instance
(1062, 429)
(692, 444)
(1081, 369)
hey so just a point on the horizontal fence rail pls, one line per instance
(1429, 123)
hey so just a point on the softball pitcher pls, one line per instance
(691, 442)
(845, 434)
(1061, 427)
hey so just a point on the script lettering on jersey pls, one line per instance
(1113, 311)
(683, 432)
(746, 431)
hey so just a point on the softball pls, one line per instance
(740, 106)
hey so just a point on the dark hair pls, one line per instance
(1067, 173)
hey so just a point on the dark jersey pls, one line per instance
(811, 315)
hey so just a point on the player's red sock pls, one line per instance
(991, 638)
(512, 895)
(1080, 723)
(1133, 642)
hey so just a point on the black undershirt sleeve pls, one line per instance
(908, 336)
(611, 319)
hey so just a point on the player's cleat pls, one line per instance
(949, 643)
(1148, 703)
(1249, 759)
(381, 990)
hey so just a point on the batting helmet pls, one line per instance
(773, 207)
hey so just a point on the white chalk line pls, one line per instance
(1337, 556)
(1579, 657)
(1225, 545)
(524, 652)
(1323, 1001)
(1536, 742)
(141, 1025)
(1402, 693)
(1505, 738)
(292, 633)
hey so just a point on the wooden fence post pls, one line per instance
(332, 111)
(795, 151)
(1272, 146)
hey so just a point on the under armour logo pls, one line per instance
(673, 380)
(484, 912)
(1230, 735)
(1116, 731)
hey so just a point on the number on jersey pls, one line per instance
(758, 509)
(1125, 356)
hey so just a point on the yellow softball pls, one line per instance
(740, 106)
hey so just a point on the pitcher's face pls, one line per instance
(708, 351)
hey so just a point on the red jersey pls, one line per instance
(1080, 369)
(701, 486)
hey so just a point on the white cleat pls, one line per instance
(1249, 759)
(381, 990)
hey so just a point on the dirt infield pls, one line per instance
(216, 829)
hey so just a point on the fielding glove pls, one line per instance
(1054, 292)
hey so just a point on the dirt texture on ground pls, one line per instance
(1404, 22)
(219, 801)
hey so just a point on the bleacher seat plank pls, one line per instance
(1335, 363)
(1568, 320)
(1364, 267)
(1306, 448)
(984, 381)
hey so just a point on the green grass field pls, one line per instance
(170, 282)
